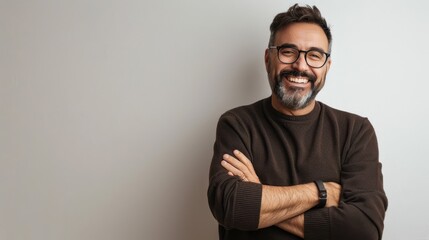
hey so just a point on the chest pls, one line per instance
(288, 156)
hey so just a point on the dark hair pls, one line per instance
(298, 14)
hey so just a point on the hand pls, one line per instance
(334, 191)
(239, 165)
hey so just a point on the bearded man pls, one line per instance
(288, 166)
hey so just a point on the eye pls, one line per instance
(315, 55)
(288, 52)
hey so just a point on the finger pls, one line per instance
(250, 172)
(241, 157)
(232, 171)
(241, 169)
(236, 163)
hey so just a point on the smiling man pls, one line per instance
(297, 84)
(288, 166)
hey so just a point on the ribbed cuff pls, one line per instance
(316, 224)
(248, 205)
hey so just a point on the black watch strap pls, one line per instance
(323, 195)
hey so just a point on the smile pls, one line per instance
(301, 80)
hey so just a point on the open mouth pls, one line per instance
(299, 80)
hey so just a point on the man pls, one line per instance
(290, 167)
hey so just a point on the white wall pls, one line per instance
(108, 108)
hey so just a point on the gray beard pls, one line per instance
(292, 98)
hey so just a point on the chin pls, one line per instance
(295, 99)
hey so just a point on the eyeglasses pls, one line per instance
(313, 58)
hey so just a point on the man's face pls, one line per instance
(296, 85)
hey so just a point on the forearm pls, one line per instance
(235, 204)
(282, 203)
(293, 225)
(279, 203)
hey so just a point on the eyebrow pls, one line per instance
(291, 45)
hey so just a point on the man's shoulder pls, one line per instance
(253, 109)
(342, 115)
(246, 116)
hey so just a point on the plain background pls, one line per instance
(108, 108)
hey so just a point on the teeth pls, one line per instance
(298, 80)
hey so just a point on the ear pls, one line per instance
(267, 59)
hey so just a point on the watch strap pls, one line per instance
(323, 195)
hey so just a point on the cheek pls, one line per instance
(321, 78)
(321, 75)
(273, 65)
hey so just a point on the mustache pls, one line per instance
(295, 73)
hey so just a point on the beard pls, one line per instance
(293, 97)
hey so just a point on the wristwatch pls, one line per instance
(323, 195)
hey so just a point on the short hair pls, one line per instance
(299, 14)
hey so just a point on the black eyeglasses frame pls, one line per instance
(278, 48)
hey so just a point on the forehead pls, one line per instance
(303, 35)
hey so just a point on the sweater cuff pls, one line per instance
(248, 205)
(316, 224)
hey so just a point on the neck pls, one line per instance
(277, 105)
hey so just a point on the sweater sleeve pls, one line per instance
(363, 202)
(234, 204)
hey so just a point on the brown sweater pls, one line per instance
(326, 144)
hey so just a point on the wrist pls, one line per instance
(322, 194)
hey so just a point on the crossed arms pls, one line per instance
(281, 206)
(240, 199)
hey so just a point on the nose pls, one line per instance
(300, 64)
